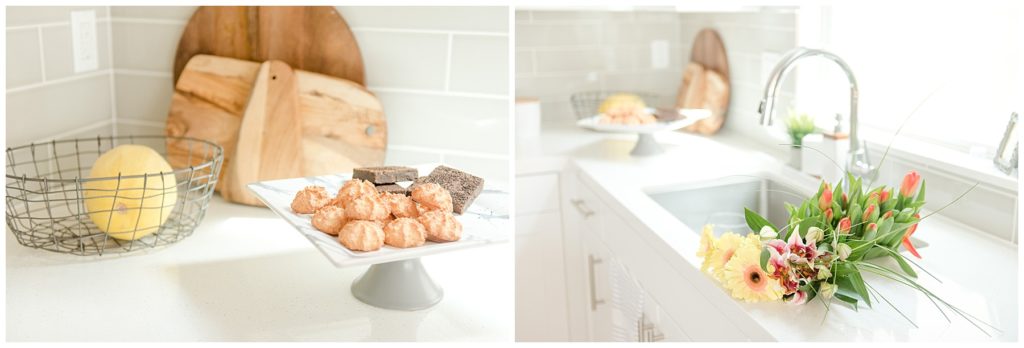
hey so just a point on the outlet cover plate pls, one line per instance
(83, 41)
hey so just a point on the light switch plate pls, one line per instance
(659, 54)
(83, 41)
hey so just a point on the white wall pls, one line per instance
(441, 73)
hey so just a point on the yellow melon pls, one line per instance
(133, 208)
(621, 101)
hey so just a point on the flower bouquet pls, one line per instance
(824, 249)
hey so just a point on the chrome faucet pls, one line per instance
(857, 162)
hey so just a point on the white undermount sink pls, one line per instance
(721, 202)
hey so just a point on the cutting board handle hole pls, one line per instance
(273, 77)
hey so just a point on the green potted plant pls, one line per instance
(798, 126)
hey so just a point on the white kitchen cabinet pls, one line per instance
(541, 312)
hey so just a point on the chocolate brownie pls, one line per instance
(462, 186)
(385, 175)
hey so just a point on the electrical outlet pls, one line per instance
(659, 54)
(83, 41)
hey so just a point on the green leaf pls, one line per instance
(755, 221)
(904, 265)
(846, 298)
(920, 193)
(847, 275)
(765, 254)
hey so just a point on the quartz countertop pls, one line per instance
(978, 273)
(245, 275)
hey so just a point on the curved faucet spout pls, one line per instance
(858, 163)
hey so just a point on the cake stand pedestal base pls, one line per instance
(402, 285)
(646, 146)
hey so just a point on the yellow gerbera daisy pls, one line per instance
(707, 247)
(744, 277)
(725, 246)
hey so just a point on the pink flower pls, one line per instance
(828, 215)
(884, 196)
(826, 198)
(844, 226)
(909, 183)
(887, 215)
(845, 200)
(797, 298)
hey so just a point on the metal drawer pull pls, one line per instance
(591, 261)
(581, 206)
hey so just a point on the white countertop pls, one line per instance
(245, 275)
(978, 273)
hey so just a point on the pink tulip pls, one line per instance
(828, 215)
(845, 199)
(909, 183)
(887, 215)
(884, 196)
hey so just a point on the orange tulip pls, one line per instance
(868, 211)
(909, 183)
(844, 226)
(826, 199)
(884, 196)
(906, 238)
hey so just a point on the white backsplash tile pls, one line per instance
(23, 61)
(28, 15)
(59, 57)
(145, 46)
(487, 168)
(405, 157)
(153, 12)
(404, 60)
(446, 122)
(453, 18)
(479, 64)
(38, 113)
(143, 97)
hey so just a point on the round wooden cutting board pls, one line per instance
(706, 82)
(309, 38)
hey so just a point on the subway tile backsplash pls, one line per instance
(434, 69)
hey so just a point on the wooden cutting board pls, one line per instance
(310, 38)
(340, 125)
(706, 82)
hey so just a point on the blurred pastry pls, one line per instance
(401, 205)
(361, 235)
(404, 233)
(433, 196)
(309, 200)
(329, 219)
(441, 226)
(367, 207)
(353, 189)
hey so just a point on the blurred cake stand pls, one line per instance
(645, 143)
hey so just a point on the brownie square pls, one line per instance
(463, 187)
(393, 188)
(385, 175)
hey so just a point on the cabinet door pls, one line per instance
(581, 212)
(540, 279)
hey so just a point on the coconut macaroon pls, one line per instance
(404, 233)
(353, 189)
(310, 199)
(367, 207)
(441, 226)
(329, 219)
(433, 196)
(401, 205)
(361, 235)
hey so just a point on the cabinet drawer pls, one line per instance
(536, 193)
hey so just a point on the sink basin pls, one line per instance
(721, 201)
